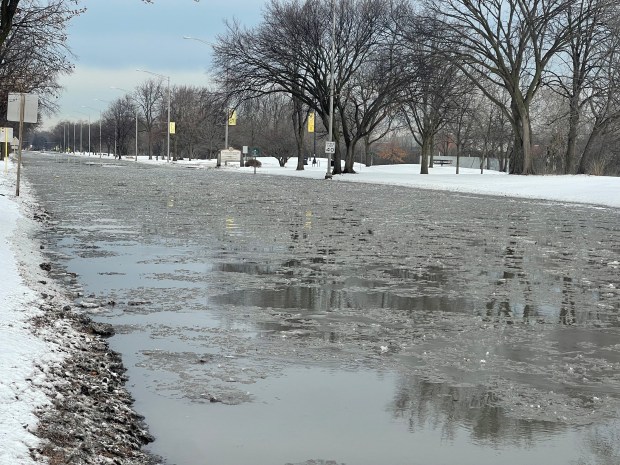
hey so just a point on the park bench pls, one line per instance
(442, 161)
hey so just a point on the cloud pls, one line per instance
(86, 84)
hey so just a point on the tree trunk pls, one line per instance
(521, 158)
(427, 145)
(337, 160)
(586, 157)
(349, 162)
(150, 142)
(573, 124)
(367, 154)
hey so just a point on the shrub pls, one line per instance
(253, 162)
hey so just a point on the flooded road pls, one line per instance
(272, 320)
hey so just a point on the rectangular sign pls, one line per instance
(230, 155)
(232, 119)
(31, 107)
(330, 147)
(173, 127)
(6, 135)
(311, 122)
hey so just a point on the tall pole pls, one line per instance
(22, 107)
(6, 150)
(73, 137)
(136, 134)
(81, 147)
(168, 126)
(100, 120)
(226, 130)
(328, 174)
(89, 134)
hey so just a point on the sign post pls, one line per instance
(5, 136)
(23, 108)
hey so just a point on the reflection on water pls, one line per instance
(420, 402)
(409, 331)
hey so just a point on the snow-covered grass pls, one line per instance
(596, 190)
(21, 350)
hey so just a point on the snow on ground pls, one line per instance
(21, 350)
(596, 190)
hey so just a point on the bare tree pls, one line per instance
(432, 94)
(604, 112)
(121, 115)
(582, 61)
(33, 50)
(507, 43)
(290, 52)
(149, 94)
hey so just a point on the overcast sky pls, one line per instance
(113, 38)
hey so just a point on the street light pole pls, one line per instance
(328, 174)
(106, 101)
(91, 108)
(168, 126)
(85, 114)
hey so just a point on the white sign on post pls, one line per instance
(31, 107)
(9, 135)
(330, 147)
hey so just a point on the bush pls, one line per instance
(253, 162)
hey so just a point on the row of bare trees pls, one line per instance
(199, 115)
(533, 84)
(441, 68)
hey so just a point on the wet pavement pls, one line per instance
(273, 320)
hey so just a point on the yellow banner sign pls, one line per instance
(232, 119)
(311, 122)
(173, 127)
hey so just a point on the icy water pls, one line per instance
(273, 321)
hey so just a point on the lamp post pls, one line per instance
(168, 126)
(328, 174)
(137, 104)
(91, 108)
(84, 106)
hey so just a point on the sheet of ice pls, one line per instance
(20, 350)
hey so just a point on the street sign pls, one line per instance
(31, 107)
(245, 149)
(330, 147)
(6, 135)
